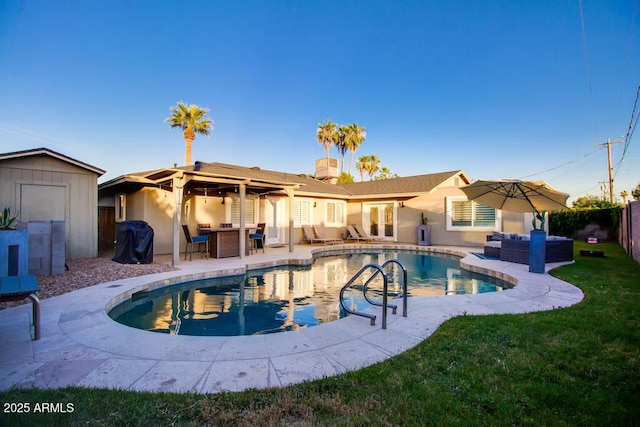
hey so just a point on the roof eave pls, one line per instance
(54, 154)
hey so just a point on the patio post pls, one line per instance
(242, 233)
(289, 192)
(177, 218)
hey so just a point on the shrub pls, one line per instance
(568, 222)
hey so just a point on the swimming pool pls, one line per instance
(292, 297)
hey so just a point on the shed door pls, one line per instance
(41, 202)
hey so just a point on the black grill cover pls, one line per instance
(134, 243)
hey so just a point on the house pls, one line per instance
(43, 185)
(213, 193)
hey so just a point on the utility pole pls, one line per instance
(603, 188)
(608, 144)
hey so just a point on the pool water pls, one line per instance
(292, 297)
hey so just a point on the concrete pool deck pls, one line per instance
(82, 346)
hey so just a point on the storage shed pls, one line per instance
(43, 185)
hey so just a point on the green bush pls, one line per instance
(568, 222)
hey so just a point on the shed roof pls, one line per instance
(51, 153)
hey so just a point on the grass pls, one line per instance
(573, 366)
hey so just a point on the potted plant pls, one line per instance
(537, 243)
(15, 259)
(424, 231)
(7, 220)
(540, 216)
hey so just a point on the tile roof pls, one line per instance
(407, 186)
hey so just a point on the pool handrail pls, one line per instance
(370, 316)
(404, 287)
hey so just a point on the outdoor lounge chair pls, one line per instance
(365, 235)
(193, 240)
(353, 235)
(311, 236)
(331, 239)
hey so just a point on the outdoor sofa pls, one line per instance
(515, 248)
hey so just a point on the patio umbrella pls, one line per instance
(516, 196)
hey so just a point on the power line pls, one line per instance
(626, 57)
(633, 121)
(559, 166)
(13, 40)
(586, 65)
(609, 168)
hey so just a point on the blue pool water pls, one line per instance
(292, 297)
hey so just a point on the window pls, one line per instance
(335, 214)
(463, 214)
(302, 212)
(121, 207)
(249, 211)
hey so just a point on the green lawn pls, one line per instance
(576, 366)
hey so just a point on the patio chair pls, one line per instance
(353, 235)
(258, 237)
(192, 241)
(366, 235)
(311, 236)
(331, 240)
(203, 229)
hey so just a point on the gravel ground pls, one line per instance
(88, 272)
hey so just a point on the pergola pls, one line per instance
(202, 183)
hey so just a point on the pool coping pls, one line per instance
(82, 346)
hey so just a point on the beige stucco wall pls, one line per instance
(155, 206)
(433, 205)
(80, 190)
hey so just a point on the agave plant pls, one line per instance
(540, 216)
(6, 220)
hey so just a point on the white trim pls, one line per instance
(55, 155)
(309, 220)
(449, 218)
(120, 205)
(343, 208)
(382, 204)
(249, 222)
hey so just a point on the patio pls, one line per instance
(81, 345)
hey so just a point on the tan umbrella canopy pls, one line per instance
(516, 196)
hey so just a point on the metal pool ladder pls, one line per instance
(379, 269)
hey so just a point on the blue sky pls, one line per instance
(500, 89)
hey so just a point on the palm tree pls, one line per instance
(327, 135)
(624, 196)
(373, 165)
(191, 119)
(361, 165)
(354, 138)
(385, 173)
(341, 143)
